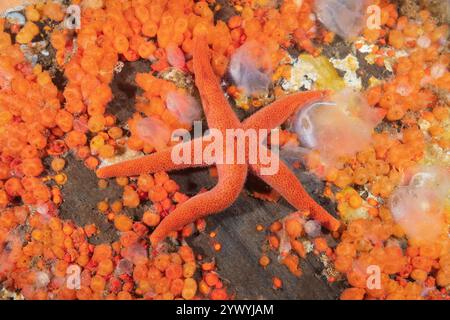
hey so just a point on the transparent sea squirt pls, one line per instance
(154, 132)
(175, 56)
(337, 128)
(250, 68)
(344, 17)
(185, 107)
(418, 205)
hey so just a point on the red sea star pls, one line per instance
(220, 115)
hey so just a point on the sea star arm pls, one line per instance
(156, 162)
(287, 184)
(218, 111)
(279, 111)
(231, 181)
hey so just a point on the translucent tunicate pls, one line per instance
(154, 132)
(124, 267)
(185, 107)
(424, 42)
(285, 243)
(418, 205)
(136, 253)
(312, 228)
(438, 70)
(404, 90)
(337, 128)
(175, 56)
(42, 279)
(11, 251)
(304, 126)
(15, 17)
(250, 68)
(344, 17)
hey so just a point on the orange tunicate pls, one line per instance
(64, 120)
(219, 294)
(123, 223)
(102, 252)
(96, 123)
(122, 181)
(277, 283)
(105, 267)
(145, 182)
(32, 167)
(396, 39)
(102, 206)
(353, 294)
(116, 206)
(161, 178)
(264, 261)
(186, 253)
(294, 228)
(106, 151)
(320, 244)
(98, 283)
(292, 263)
(157, 194)
(343, 263)
(162, 261)
(91, 162)
(75, 139)
(181, 25)
(176, 287)
(31, 151)
(346, 249)
(115, 133)
(13, 187)
(171, 186)
(146, 49)
(149, 29)
(142, 13)
(53, 11)
(89, 65)
(174, 271)
(189, 289)
(58, 164)
(90, 230)
(151, 219)
(124, 295)
(130, 198)
(4, 171)
(4, 200)
(189, 269)
(121, 43)
(234, 22)
(299, 248)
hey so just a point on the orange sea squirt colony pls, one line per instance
(162, 32)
